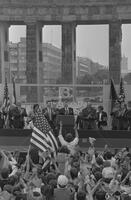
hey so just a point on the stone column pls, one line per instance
(68, 52)
(4, 52)
(115, 37)
(33, 56)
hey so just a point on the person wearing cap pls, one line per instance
(70, 142)
(62, 192)
(101, 118)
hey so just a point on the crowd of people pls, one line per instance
(71, 175)
(88, 118)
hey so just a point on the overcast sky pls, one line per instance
(92, 41)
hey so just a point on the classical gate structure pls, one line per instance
(67, 13)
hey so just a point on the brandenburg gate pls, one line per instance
(67, 13)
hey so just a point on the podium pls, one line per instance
(68, 122)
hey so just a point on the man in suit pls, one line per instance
(50, 112)
(88, 116)
(101, 118)
(66, 110)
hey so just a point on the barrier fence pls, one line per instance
(13, 139)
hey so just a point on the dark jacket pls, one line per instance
(102, 121)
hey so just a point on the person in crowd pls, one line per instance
(101, 118)
(66, 110)
(70, 142)
(62, 192)
(17, 116)
(89, 117)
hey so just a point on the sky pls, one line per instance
(92, 41)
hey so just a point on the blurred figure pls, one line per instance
(2, 116)
(128, 115)
(50, 112)
(122, 117)
(66, 110)
(114, 115)
(23, 115)
(89, 117)
(101, 117)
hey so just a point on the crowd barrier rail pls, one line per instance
(15, 139)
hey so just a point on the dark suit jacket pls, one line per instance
(53, 114)
(103, 121)
(62, 111)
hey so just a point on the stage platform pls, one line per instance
(13, 139)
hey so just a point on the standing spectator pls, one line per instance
(50, 114)
(128, 114)
(23, 114)
(101, 117)
(89, 117)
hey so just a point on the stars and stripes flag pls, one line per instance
(6, 100)
(14, 91)
(6, 104)
(121, 92)
(42, 136)
(113, 95)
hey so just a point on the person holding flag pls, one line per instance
(42, 140)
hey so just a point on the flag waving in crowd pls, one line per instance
(42, 135)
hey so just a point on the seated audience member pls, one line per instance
(70, 142)
(101, 117)
(66, 110)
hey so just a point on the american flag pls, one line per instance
(121, 92)
(14, 91)
(42, 135)
(6, 103)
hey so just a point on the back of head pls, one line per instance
(34, 155)
(62, 181)
(73, 172)
(100, 195)
(81, 195)
(69, 137)
(5, 173)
